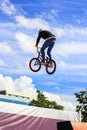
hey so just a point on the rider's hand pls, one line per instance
(36, 46)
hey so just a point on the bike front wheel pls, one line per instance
(35, 64)
(51, 67)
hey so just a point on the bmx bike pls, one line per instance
(36, 63)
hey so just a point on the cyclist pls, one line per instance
(49, 43)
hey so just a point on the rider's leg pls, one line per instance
(51, 44)
(45, 45)
(48, 43)
(43, 54)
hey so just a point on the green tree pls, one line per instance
(43, 102)
(82, 99)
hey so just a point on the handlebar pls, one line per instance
(38, 49)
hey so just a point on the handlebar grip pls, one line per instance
(38, 49)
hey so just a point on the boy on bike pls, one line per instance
(49, 43)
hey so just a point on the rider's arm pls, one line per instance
(38, 39)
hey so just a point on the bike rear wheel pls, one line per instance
(51, 67)
(35, 64)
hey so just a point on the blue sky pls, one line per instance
(19, 25)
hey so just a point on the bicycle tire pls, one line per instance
(51, 70)
(37, 65)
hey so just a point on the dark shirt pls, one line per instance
(44, 34)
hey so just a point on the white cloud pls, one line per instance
(7, 31)
(31, 23)
(59, 32)
(70, 33)
(70, 48)
(75, 48)
(54, 12)
(62, 64)
(78, 66)
(7, 7)
(5, 48)
(26, 42)
(23, 85)
(65, 65)
(6, 83)
(2, 63)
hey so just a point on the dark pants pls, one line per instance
(49, 45)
